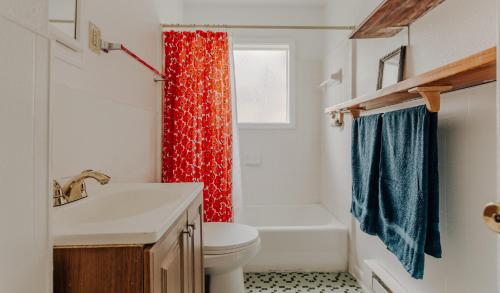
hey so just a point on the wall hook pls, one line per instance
(337, 121)
(335, 78)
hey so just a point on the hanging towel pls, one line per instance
(365, 159)
(409, 187)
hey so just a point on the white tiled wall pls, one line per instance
(25, 251)
(91, 131)
(106, 108)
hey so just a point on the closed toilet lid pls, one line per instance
(220, 237)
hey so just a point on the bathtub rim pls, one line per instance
(332, 224)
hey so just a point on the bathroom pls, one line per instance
(73, 99)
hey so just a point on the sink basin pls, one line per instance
(120, 204)
(127, 213)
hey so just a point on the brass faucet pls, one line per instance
(75, 188)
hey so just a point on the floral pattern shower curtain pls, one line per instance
(197, 129)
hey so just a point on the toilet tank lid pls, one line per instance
(227, 236)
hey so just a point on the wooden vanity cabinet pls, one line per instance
(174, 264)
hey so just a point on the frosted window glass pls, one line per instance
(262, 85)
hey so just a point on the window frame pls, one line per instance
(259, 44)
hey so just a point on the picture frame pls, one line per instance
(391, 68)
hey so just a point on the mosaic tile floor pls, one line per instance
(300, 282)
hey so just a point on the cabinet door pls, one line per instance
(172, 280)
(197, 244)
(166, 265)
(195, 220)
(175, 263)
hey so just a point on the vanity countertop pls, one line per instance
(122, 214)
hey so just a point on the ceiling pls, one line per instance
(315, 3)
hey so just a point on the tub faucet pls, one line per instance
(75, 189)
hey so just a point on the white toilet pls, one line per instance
(227, 248)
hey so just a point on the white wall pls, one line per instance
(288, 171)
(25, 251)
(106, 107)
(455, 29)
(30, 13)
(171, 11)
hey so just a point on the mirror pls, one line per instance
(391, 68)
(63, 15)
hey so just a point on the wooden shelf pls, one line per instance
(391, 16)
(473, 70)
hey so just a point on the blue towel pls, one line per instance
(409, 187)
(365, 159)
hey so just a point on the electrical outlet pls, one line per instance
(94, 38)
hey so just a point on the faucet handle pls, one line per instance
(83, 189)
(57, 194)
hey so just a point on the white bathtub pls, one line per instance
(297, 238)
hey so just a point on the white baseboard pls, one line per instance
(384, 275)
(358, 274)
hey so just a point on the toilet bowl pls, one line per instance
(227, 248)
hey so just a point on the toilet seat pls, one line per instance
(225, 238)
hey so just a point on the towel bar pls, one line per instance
(476, 69)
(107, 46)
(430, 94)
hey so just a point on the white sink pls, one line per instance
(119, 204)
(122, 213)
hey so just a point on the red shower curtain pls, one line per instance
(197, 133)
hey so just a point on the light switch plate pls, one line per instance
(94, 38)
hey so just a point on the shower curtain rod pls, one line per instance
(256, 26)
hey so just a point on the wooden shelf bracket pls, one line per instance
(431, 95)
(355, 112)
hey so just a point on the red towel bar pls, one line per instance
(106, 47)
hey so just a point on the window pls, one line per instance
(262, 74)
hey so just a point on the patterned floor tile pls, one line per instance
(288, 282)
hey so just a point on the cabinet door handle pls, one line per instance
(189, 231)
(192, 227)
